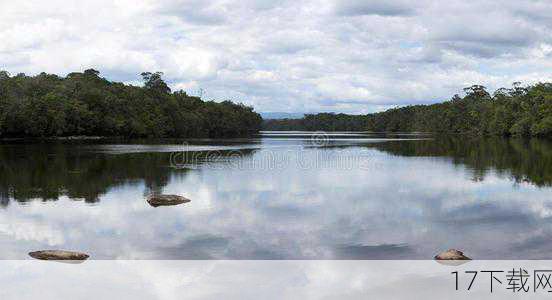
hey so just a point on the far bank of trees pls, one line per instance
(515, 111)
(85, 104)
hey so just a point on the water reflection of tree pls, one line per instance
(522, 160)
(49, 171)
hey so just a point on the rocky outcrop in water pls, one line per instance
(58, 255)
(166, 200)
(451, 254)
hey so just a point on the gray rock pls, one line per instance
(58, 255)
(451, 254)
(166, 200)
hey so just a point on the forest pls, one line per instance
(516, 111)
(85, 104)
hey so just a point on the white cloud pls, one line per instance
(352, 56)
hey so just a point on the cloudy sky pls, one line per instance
(288, 56)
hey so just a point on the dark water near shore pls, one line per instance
(280, 196)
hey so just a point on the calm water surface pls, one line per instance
(280, 196)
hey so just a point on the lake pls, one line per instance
(280, 195)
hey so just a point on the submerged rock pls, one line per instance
(58, 255)
(166, 200)
(451, 254)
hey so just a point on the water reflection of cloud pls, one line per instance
(373, 252)
(409, 207)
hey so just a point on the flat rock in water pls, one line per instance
(451, 254)
(58, 255)
(166, 200)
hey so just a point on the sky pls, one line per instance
(288, 56)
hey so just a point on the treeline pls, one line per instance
(321, 121)
(85, 104)
(516, 111)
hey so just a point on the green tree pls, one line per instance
(87, 104)
(154, 82)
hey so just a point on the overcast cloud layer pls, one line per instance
(294, 56)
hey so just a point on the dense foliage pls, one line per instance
(517, 111)
(84, 104)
